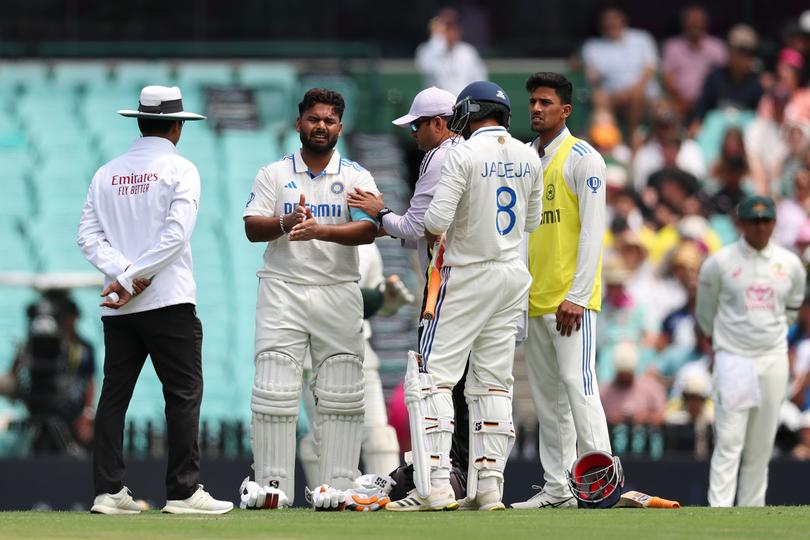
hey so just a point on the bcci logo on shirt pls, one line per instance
(550, 191)
(594, 183)
(337, 188)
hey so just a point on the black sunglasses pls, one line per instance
(418, 122)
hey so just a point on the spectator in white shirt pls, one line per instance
(621, 66)
(444, 60)
(136, 226)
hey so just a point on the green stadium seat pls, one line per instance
(278, 74)
(203, 73)
(16, 199)
(134, 75)
(86, 74)
(24, 73)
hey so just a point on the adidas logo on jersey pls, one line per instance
(291, 185)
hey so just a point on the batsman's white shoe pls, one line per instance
(115, 503)
(543, 499)
(201, 502)
(485, 501)
(439, 499)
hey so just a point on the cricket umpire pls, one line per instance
(748, 294)
(136, 225)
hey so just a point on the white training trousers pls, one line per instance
(566, 396)
(744, 439)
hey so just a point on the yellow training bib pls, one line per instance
(553, 246)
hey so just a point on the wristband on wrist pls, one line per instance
(281, 224)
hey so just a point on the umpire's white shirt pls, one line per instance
(489, 196)
(276, 191)
(747, 298)
(137, 221)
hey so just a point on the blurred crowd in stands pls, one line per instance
(686, 134)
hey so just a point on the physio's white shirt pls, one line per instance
(489, 197)
(276, 191)
(747, 298)
(137, 222)
(410, 227)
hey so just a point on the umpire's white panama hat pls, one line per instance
(161, 103)
(428, 103)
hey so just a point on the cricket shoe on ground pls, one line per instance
(485, 501)
(201, 502)
(115, 503)
(439, 499)
(543, 499)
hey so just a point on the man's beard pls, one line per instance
(318, 148)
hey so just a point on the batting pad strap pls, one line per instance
(434, 424)
(492, 463)
(504, 427)
(440, 460)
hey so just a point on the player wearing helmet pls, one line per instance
(489, 196)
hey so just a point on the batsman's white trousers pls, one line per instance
(476, 311)
(476, 315)
(744, 439)
(566, 396)
(326, 318)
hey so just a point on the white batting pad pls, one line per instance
(274, 404)
(492, 435)
(340, 405)
(430, 418)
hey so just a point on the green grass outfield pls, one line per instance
(690, 523)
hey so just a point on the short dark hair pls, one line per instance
(155, 126)
(325, 96)
(548, 79)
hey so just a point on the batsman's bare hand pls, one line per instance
(569, 317)
(302, 212)
(309, 229)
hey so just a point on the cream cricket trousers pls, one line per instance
(744, 439)
(566, 396)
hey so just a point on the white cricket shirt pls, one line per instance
(747, 298)
(410, 227)
(489, 196)
(276, 191)
(137, 221)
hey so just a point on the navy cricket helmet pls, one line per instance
(596, 480)
(478, 100)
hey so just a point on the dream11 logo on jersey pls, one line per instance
(759, 296)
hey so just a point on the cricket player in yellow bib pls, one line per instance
(565, 259)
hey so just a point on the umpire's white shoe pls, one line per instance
(115, 503)
(485, 501)
(543, 499)
(439, 499)
(199, 503)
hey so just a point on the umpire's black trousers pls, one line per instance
(172, 337)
